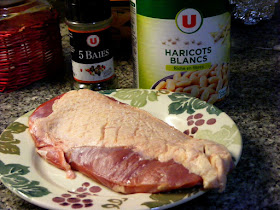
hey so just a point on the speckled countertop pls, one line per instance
(253, 103)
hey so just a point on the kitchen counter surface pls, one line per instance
(253, 103)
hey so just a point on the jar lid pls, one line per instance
(85, 11)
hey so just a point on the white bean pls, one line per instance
(161, 85)
(170, 84)
(203, 81)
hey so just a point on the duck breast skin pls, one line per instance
(122, 147)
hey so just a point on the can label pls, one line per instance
(182, 46)
(92, 58)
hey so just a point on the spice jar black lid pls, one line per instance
(87, 11)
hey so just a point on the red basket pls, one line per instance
(30, 44)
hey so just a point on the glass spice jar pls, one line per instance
(91, 44)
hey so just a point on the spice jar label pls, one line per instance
(92, 58)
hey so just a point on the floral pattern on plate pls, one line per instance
(8, 144)
(30, 177)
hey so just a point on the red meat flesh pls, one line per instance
(124, 170)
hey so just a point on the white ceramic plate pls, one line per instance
(33, 179)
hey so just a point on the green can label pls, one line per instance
(182, 46)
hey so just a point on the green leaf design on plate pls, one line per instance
(11, 176)
(138, 97)
(14, 180)
(161, 199)
(8, 148)
(211, 109)
(152, 96)
(183, 102)
(198, 104)
(6, 136)
(7, 142)
(13, 169)
(227, 135)
(17, 127)
(114, 203)
(34, 190)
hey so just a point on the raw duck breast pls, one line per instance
(123, 147)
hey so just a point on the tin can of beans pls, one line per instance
(182, 46)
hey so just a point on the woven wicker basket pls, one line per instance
(30, 44)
